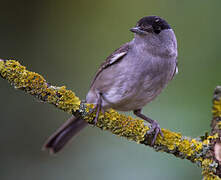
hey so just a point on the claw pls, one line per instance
(97, 113)
(155, 128)
(98, 109)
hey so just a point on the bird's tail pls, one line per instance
(63, 135)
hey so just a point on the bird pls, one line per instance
(131, 77)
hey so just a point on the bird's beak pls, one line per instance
(139, 31)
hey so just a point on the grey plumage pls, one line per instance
(137, 78)
(137, 72)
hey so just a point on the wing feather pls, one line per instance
(116, 56)
(175, 70)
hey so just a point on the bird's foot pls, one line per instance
(97, 109)
(155, 130)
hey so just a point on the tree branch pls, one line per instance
(204, 151)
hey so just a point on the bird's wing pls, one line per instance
(175, 70)
(116, 56)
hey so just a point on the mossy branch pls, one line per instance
(198, 150)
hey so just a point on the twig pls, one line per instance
(204, 151)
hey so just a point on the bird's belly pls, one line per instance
(131, 95)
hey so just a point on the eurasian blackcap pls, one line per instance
(131, 77)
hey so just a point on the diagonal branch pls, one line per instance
(197, 150)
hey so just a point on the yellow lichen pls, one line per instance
(219, 125)
(172, 139)
(121, 125)
(209, 138)
(197, 145)
(186, 147)
(208, 165)
(208, 169)
(216, 108)
(67, 99)
(35, 84)
(1, 65)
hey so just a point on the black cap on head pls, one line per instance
(157, 23)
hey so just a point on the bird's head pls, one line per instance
(150, 24)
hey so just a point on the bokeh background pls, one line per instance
(66, 41)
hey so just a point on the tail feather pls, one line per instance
(63, 135)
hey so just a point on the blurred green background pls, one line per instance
(66, 41)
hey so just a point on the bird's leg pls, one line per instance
(155, 127)
(97, 108)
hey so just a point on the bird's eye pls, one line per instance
(157, 29)
(157, 20)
